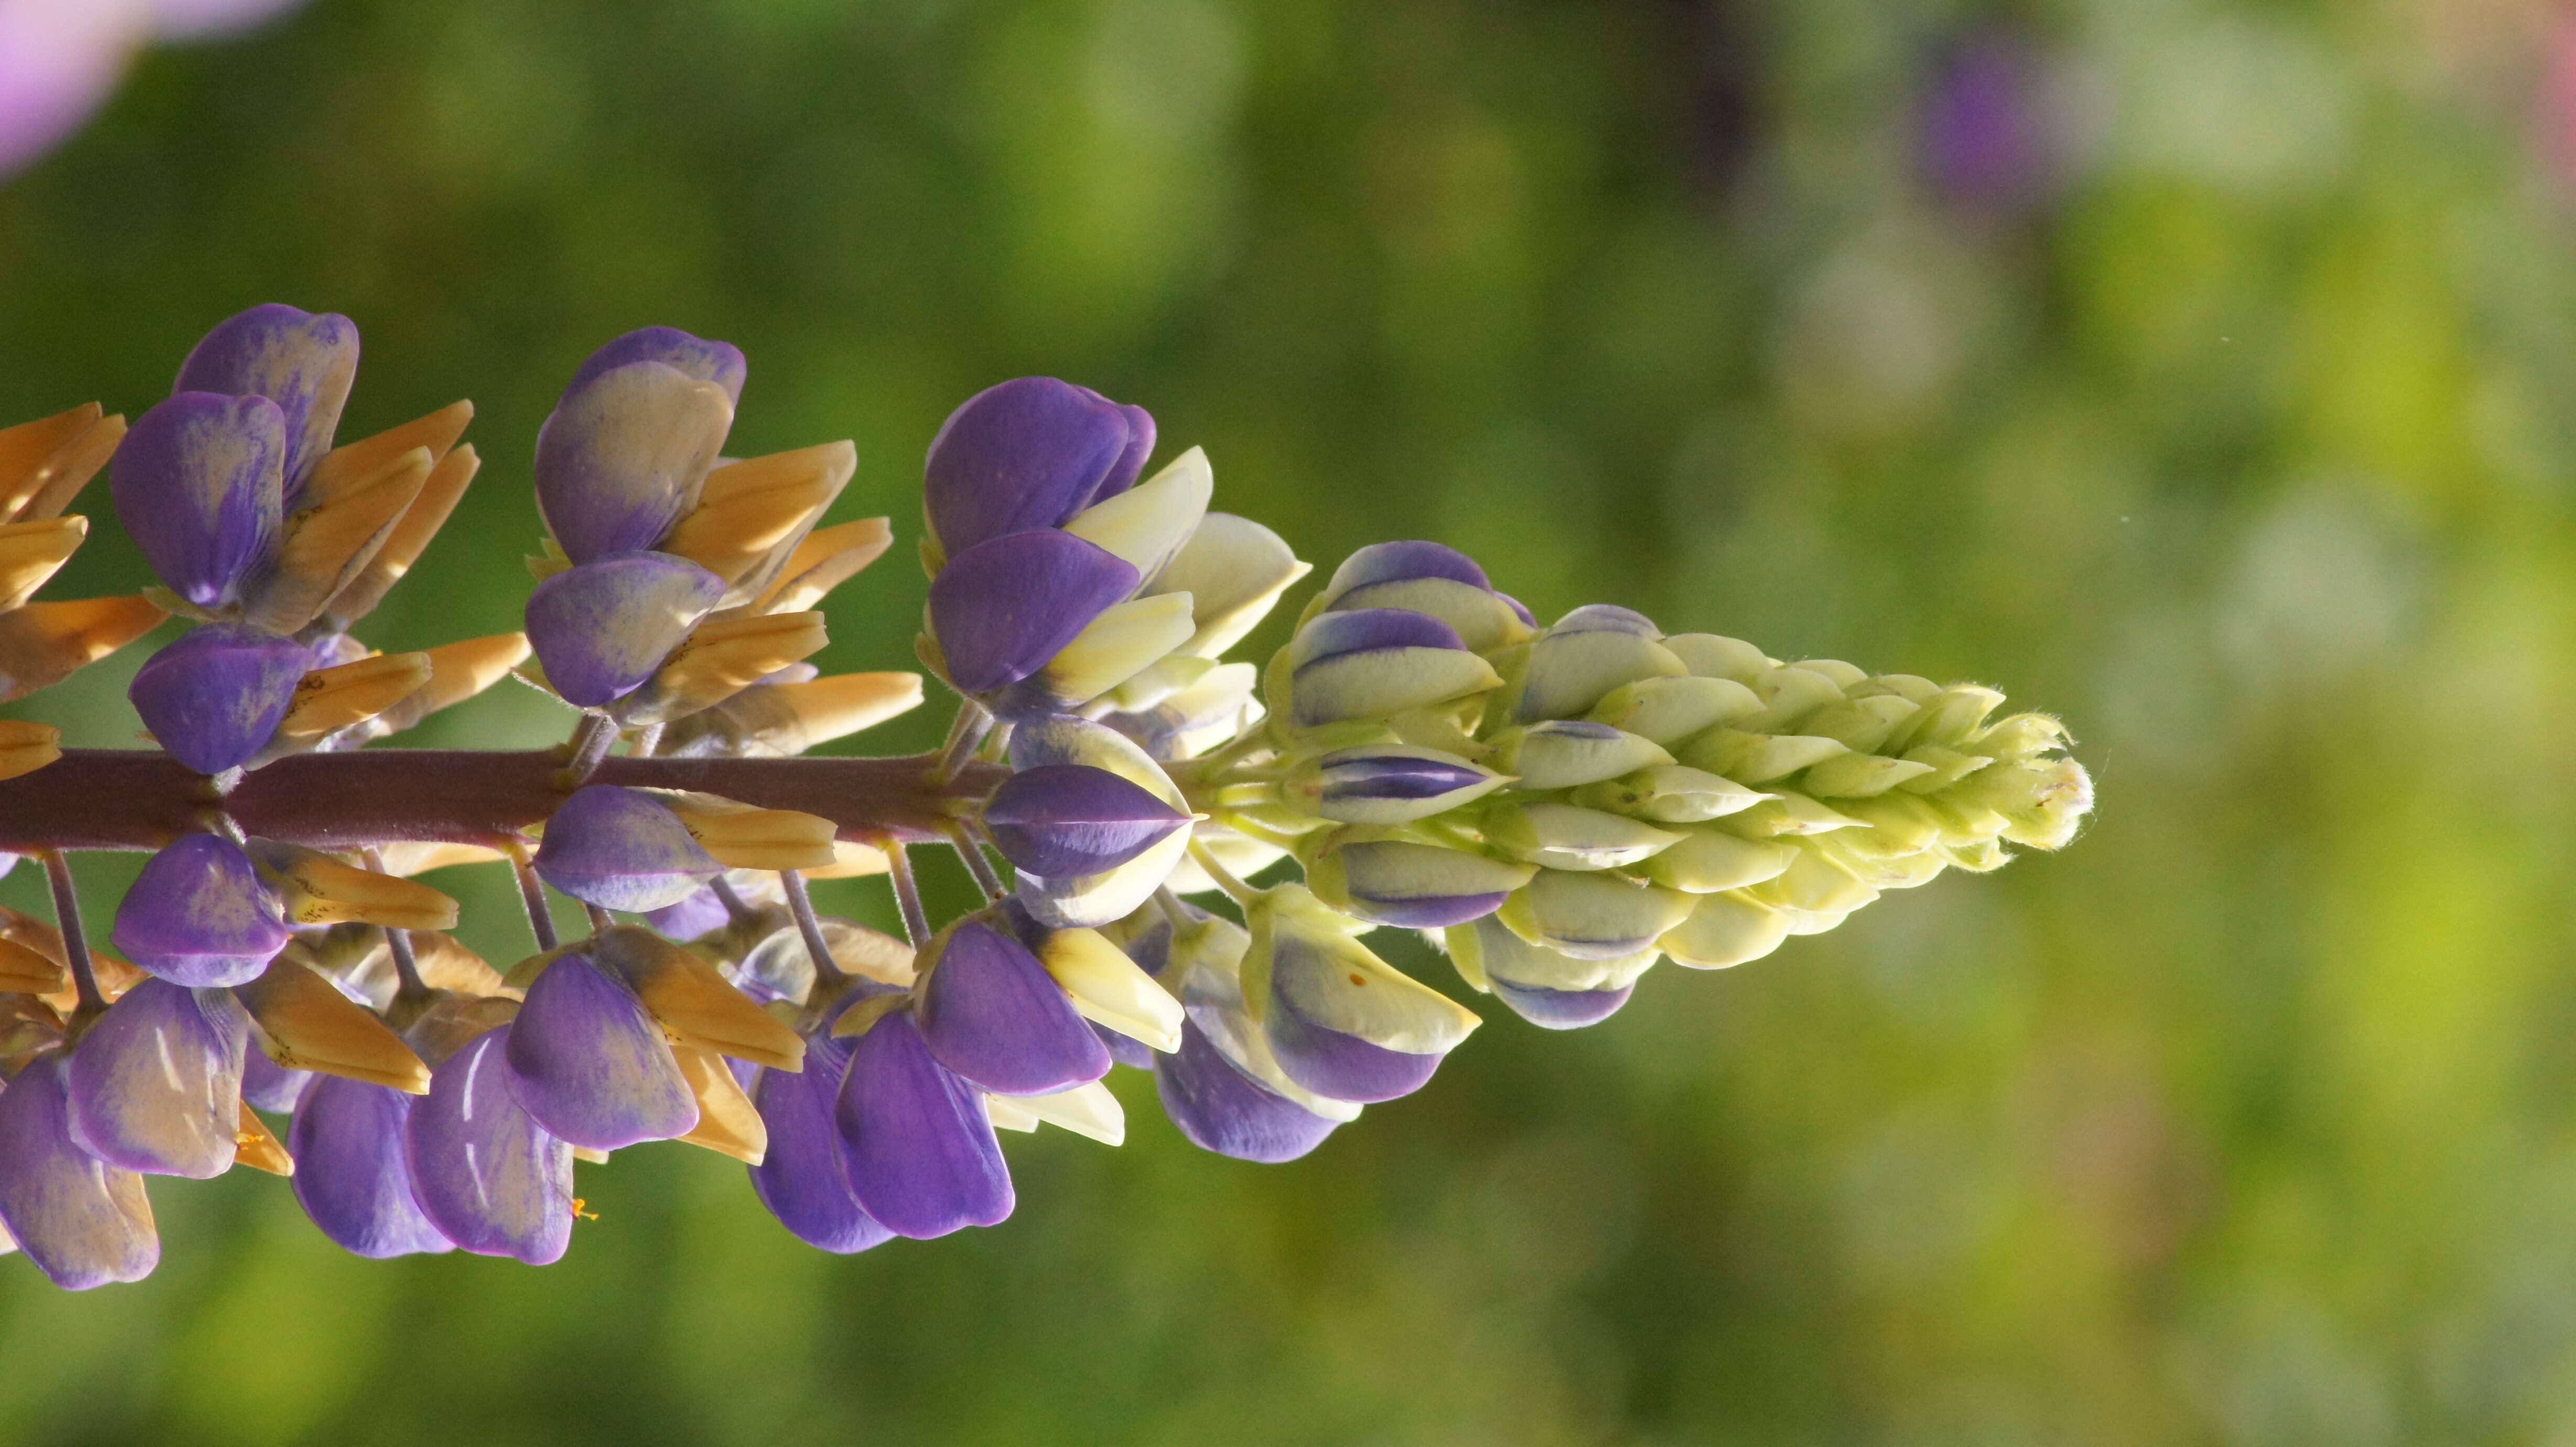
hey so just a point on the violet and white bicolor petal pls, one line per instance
(1023, 455)
(1073, 819)
(622, 849)
(199, 483)
(1389, 784)
(1586, 654)
(694, 357)
(1090, 900)
(82, 1221)
(156, 1082)
(1413, 885)
(625, 455)
(1131, 459)
(992, 1014)
(1543, 986)
(1565, 753)
(600, 629)
(1426, 578)
(1001, 610)
(199, 915)
(487, 1176)
(351, 1173)
(804, 1179)
(302, 361)
(1219, 1108)
(213, 697)
(1594, 916)
(1342, 1022)
(270, 1086)
(919, 1148)
(590, 1064)
(1374, 663)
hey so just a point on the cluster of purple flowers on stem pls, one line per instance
(1558, 807)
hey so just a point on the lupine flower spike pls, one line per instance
(1560, 807)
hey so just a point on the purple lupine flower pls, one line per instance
(602, 628)
(199, 915)
(351, 1177)
(199, 483)
(214, 697)
(83, 1222)
(920, 1150)
(622, 849)
(1983, 139)
(302, 362)
(1427, 578)
(487, 1176)
(59, 63)
(804, 1180)
(1554, 1009)
(697, 913)
(693, 357)
(627, 450)
(1340, 1021)
(1373, 663)
(1391, 784)
(991, 1013)
(1079, 900)
(271, 1086)
(1071, 819)
(1025, 455)
(590, 1064)
(156, 1082)
(1220, 1108)
(1003, 608)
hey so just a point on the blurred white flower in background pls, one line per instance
(61, 59)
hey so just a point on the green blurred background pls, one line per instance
(2222, 410)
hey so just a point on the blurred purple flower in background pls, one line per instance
(1986, 136)
(61, 59)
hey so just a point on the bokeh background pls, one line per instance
(2200, 371)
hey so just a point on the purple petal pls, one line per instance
(920, 1150)
(1363, 774)
(484, 1172)
(1124, 1049)
(199, 483)
(600, 629)
(994, 1015)
(1071, 819)
(299, 360)
(1519, 609)
(1404, 562)
(1561, 1009)
(591, 1065)
(1023, 455)
(57, 65)
(199, 915)
(270, 1086)
(1221, 1109)
(1343, 1067)
(1388, 882)
(213, 698)
(83, 1222)
(697, 359)
(1131, 462)
(156, 1083)
(622, 849)
(624, 455)
(1002, 608)
(804, 1180)
(696, 914)
(1367, 630)
(350, 1173)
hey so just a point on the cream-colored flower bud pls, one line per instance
(44, 643)
(1108, 988)
(1709, 655)
(1146, 525)
(1567, 836)
(1670, 794)
(1789, 696)
(1669, 710)
(1815, 885)
(1950, 718)
(31, 551)
(314, 888)
(722, 658)
(1860, 776)
(1725, 930)
(1862, 724)
(1758, 758)
(1782, 814)
(305, 1023)
(742, 837)
(26, 746)
(728, 1123)
(2023, 736)
(1707, 861)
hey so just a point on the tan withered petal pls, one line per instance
(445, 964)
(407, 860)
(26, 746)
(23, 971)
(44, 643)
(742, 837)
(45, 463)
(350, 462)
(257, 1147)
(827, 558)
(852, 860)
(328, 700)
(314, 888)
(695, 1004)
(782, 720)
(411, 536)
(32, 551)
(751, 514)
(721, 659)
(457, 671)
(727, 1121)
(305, 1023)
(327, 544)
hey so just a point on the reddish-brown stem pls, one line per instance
(141, 799)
